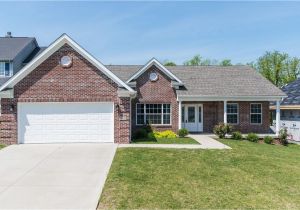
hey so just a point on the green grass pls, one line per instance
(251, 176)
(178, 140)
(2, 146)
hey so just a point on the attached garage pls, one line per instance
(65, 122)
(65, 95)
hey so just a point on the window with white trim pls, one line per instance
(154, 114)
(5, 69)
(255, 113)
(232, 113)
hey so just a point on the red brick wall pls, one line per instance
(213, 113)
(159, 91)
(49, 82)
(244, 118)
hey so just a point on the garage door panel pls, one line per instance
(65, 122)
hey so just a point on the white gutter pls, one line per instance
(229, 98)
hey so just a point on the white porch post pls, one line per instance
(179, 115)
(225, 112)
(277, 117)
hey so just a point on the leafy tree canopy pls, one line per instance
(225, 62)
(169, 63)
(277, 67)
(197, 60)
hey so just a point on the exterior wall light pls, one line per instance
(12, 108)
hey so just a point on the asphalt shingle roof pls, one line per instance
(212, 80)
(10, 47)
(34, 54)
(293, 93)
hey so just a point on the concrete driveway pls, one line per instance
(53, 176)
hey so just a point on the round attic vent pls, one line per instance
(153, 77)
(66, 61)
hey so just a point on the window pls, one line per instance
(156, 114)
(182, 114)
(232, 113)
(191, 114)
(5, 69)
(255, 114)
(200, 114)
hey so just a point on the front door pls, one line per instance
(192, 117)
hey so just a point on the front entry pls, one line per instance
(192, 117)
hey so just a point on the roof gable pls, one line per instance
(58, 43)
(156, 63)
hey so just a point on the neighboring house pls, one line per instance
(290, 110)
(64, 94)
(15, 52)
(290, 106)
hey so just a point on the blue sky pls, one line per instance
(134, 32)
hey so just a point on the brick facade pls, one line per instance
(159, 91)
(213, 113)
(83, 82)
(49, 82)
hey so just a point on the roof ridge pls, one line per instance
(182, 65)
(17, 37)
(123, 64)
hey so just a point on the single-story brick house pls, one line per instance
(64, 94)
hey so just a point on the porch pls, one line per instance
(245, 116)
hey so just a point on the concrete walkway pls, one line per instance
(53, 176)
(208, 142)
(205, 142)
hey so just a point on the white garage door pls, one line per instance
(65, 122)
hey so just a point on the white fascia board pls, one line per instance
(229, 98)
(7, 93)
(122, 93)
(58, 43)
(155, 62)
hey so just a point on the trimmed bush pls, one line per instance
(237, 135)
(283, 136)
(140, 133)
(252, 137)
(162, 134)
(268, 139)
(222, 129)
(183, 132)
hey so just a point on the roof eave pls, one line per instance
(54, 46)
(229, 98)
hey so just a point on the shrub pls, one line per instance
(268, 139)
(162, 134)
(151, 135)
(236, 135)
(183, 132)
(222, 129)
(140, 133)
(148, 128)
(283, 136)
(252, 137)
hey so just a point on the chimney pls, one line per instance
(8, 35)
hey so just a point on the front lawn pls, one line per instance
(250, 175)
(178, 140)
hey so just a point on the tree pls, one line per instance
(169, 63)
(292, 71)
(207, 62)
(195, 61)
(225, 62)
(278, 67)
